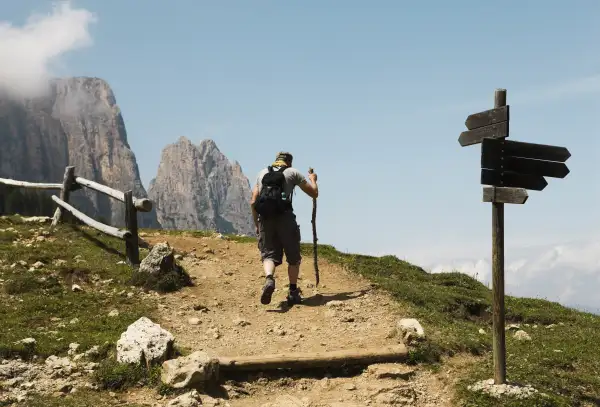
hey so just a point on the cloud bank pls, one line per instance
(568, 273)
(28, 53)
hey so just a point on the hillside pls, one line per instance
(358, 304)
(197, 187)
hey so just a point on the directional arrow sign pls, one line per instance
(537, 151)
(505, 195)
(512, 179)
(497, 130)
(493, 157)
(488, 117)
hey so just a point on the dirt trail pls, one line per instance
(222, 315)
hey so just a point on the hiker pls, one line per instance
(275, 221)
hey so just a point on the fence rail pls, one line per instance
(71, 183)
(25, 184)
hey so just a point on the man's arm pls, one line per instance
(252, 200)
(310, 188)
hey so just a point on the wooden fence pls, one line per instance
(72, 183)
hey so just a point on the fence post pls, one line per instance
(65, 192)
(131, 244)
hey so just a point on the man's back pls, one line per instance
(292, 176)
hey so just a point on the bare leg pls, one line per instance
(269, 267)
(293, 272)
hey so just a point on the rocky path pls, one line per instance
(222, 315)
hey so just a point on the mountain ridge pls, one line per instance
(198, 187)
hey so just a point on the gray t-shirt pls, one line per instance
(293, 177)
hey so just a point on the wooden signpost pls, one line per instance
(510, 168)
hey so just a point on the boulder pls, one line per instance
(160, 260)
(410, 329)
(191, 371)
(144, 341)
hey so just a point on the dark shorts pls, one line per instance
(280, 235)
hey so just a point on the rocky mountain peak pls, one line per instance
(79, 123)
(197, 187)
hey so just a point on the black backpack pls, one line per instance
(271, 199)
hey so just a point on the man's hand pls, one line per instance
(313, 177)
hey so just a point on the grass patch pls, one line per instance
(41, 304)
(112, 375)
(453, 307)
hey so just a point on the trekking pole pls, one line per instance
(314, 230)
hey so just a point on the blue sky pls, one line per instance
(373, 95)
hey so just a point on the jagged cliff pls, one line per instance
(197, 187)
(78, 123)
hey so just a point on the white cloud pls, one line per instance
(568, 273)
(27, 53)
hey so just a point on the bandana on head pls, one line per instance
(282, 158)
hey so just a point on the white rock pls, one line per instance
(73, 348)
(113, 313)
(194, 321)
(190, 371)
(76, 288)
(410, 327)
(28, 341)
(191, 399)
(144, 339)
(38, 264)
(522, 336)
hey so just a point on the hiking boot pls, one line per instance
(294, 297)
(268, 289)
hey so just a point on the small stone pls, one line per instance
(27, 341)
(38, 264)
(194, 321)
(482, 331)
(73, 348)
(522, 336)
(76, 288)
(113, 313)
(241, 322)
(350, 386)
(390, 371)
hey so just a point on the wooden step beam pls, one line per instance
(396, 353)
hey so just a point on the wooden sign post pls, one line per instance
(510, 167)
